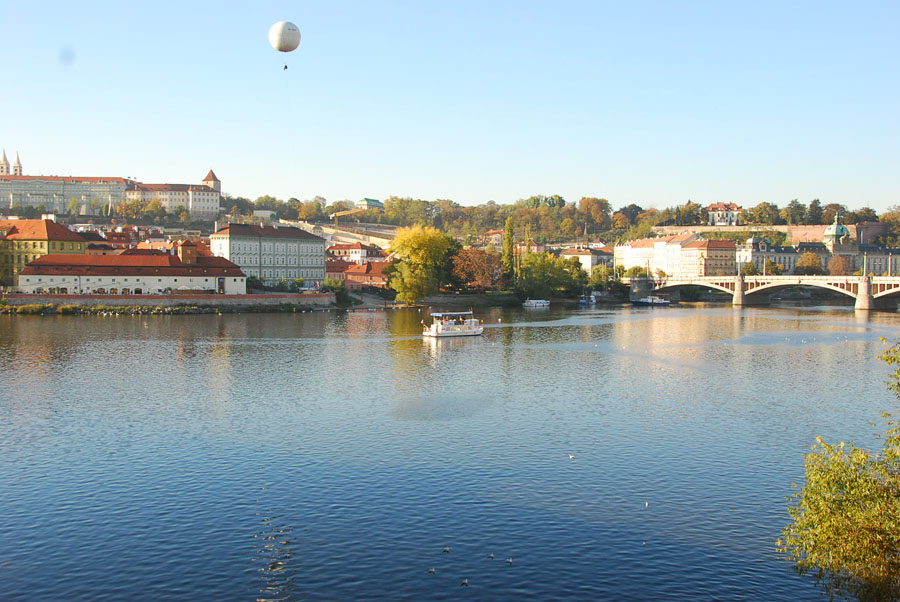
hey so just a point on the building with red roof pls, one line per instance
(356, 252)
(335, 269)
(723, 214)
(133, 272)
(363, 275)
(24, 240)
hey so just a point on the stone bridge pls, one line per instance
(870, 292)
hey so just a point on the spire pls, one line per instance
(17, 166)
(4, 164)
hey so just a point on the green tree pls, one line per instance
(794, 213)
(507, 261)
(635, 271)
(423, 255)
(748, 268)
(845, 519)
(542, 275)
(600, 278)
(814, 213)
(830, 210)
(73, 207)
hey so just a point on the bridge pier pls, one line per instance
(864, 299)
(738, 299)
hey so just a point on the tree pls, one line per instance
(422, 260)
(73, 207)
(764, 213)
(814, 213)
(830, 210)
(635, 271)
(542, 275)
(772, 268)
(808, 264)
(749, 269)
(507, 261)
(838, 266)
(866, 214)
(476, 269)
(794, 213)
(600, 277)
(845, 519)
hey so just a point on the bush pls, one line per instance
(846, 517)
(36, 308)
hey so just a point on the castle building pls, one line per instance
(200, 201)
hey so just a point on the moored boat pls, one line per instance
(654, 300)
(453, 324)
(536, 303)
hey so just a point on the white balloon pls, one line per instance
(284, 36)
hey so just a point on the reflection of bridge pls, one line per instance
(870, 292)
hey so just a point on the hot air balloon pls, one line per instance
(284, 37)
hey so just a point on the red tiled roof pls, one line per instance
(210, 177)
(266, 232)
(37, 229)
(347, 247)
(711, 244)
(69, 179)
(373, 268)
(337, 265)
(137, 262)
(171, 187)
(723, 207)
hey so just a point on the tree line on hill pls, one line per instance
(553, 219)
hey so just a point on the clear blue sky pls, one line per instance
(651, 103)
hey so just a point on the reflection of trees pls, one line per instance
(275, 557)
(840, 586)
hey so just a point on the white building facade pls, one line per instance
(147, 273)
(272, 252)
(200, 201)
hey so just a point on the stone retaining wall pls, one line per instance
(273, 299)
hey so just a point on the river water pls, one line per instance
(334, 455)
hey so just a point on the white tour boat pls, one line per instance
(453, 324)
(536, 303)
(653, 300)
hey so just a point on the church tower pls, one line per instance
(4, 164)
(17, 166)
(213, 182)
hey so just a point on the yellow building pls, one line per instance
(708, 258)
(24, 240)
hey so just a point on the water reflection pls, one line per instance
(275, 562)
(839, 586)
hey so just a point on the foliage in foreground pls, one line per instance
(846, 517)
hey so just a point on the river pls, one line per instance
(611, 454)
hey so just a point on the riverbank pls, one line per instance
(16, 303)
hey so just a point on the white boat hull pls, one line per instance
(453, 333)
(453, 324)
